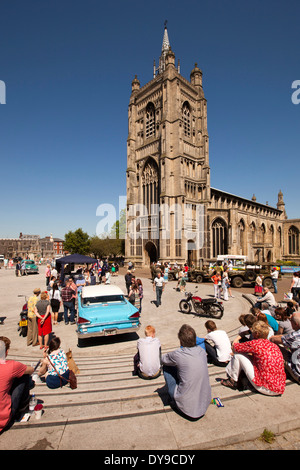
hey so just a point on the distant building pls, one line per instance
(31, 246)
(58, 246)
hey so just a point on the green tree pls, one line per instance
(112, 244)
(98, 247)
(118, 230)
(77, 242)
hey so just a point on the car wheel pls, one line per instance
(250, 276)
(199, 278)
(237, 282)
(267, 283)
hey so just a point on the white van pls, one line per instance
(237, 261)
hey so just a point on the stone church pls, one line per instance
(173, 213)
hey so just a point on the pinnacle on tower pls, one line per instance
(165, 50)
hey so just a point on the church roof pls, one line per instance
(250, 201)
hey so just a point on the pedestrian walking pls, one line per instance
(274, 274)
(67, 296)
(141, 292)
(216, 279)
(48, 274)
(158, 286)
(128, 280)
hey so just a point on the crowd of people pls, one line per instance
(265, 350)
(259, 358)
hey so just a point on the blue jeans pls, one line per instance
(274, 281)
(53, 381)
(69, 306)
(20, 393)
(171, 378)
(158, 295)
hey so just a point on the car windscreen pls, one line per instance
(103, 299)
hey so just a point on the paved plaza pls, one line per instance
(130, 413)
(167, 319)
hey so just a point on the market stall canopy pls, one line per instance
(76, 258)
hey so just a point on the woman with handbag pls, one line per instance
(258, 288)
(55, 365)
(55, 302)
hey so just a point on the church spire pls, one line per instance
(166, 42)
(164, 50)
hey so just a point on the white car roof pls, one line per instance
(102, 289)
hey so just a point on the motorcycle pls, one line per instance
(207, 307)
(23, 322)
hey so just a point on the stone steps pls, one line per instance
(106, 390)
(111, 409)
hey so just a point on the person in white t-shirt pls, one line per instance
(147, 361)
(158, 285)
(219, 353)
(274, 275)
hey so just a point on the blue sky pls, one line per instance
(68, 66)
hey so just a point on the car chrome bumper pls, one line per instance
(81, 334)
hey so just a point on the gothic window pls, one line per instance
(177, 247)
(219, 237)
(150, 185)
(186, 118)
(150, 120)
(241, 231)
(280, 236)
(272, 234)
(253, 232)
(293, 241)
(262, 233)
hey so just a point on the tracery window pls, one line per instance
(186, 118)
(150, 185)
(241, 233)
(293, 240)
(253, 232)
(219, 237)
(150, 120)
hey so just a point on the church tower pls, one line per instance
(168, 174)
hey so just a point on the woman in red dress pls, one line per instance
(43, 313)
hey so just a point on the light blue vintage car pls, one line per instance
(103, 310)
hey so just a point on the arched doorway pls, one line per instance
(151, 253)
